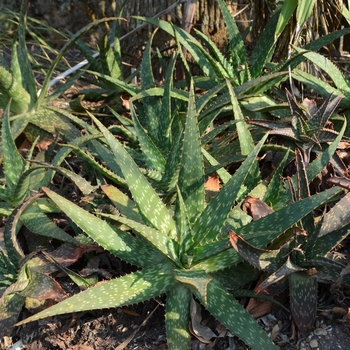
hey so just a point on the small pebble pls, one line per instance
(320, 331)
(313, 343)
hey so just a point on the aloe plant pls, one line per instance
(32, 111)
(182, 248)
(165, 227)
(301, 255)
(307, 128)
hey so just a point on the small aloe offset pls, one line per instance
(307, 127)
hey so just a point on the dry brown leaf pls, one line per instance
(275, 331)
(258, 308)
(310, 105)
(212, 184)
(130, 312)
(256, 208)
(200, 331)
(125, 101)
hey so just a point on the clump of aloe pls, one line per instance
(308, 127)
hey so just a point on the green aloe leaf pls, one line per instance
(226, 309)
(186, 40)
(105, 155)
(177, 317)
(303, 301)
(119, 243)
(288, 216)
(154, 157)
(236, 47)
(150, 206)
(183, 225)
(333, 229)
(245, 138)
(216, 66)
(84, 186)
(13, 161)
(10, 307)
(225, 68)
(208, 225)
(304, 11)
(320, 86)
(264, 49)
(160, 92)
(224, 175)
(133, 288)
(319, 43)
(152, 105)
(340, 81)
(287, 269)
(216, 256)
(262, 259)
(167, 246)
(191, 176)
(122, 202)
(27, 75)
(12, 90)
(323, 158)
(287, 11)
(110, 62)
(308, 221)
(39, 223)
(276, 195)
(64, 49)
(166, 111)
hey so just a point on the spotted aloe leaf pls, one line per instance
(284, 271)
(333, 229)
(303, 301)
(166, 111)
(133, 288)
(262, 259)
(154, 158)
(39, 223)
(209, 223)
(12, 90)
(215, 256)
(123, 203)
(120, 243)
(167, 246)
(13, 161)
(10, 307)
(177, 317)
(150, 206)
(223, 305)
(191, 176)
(151, 105)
